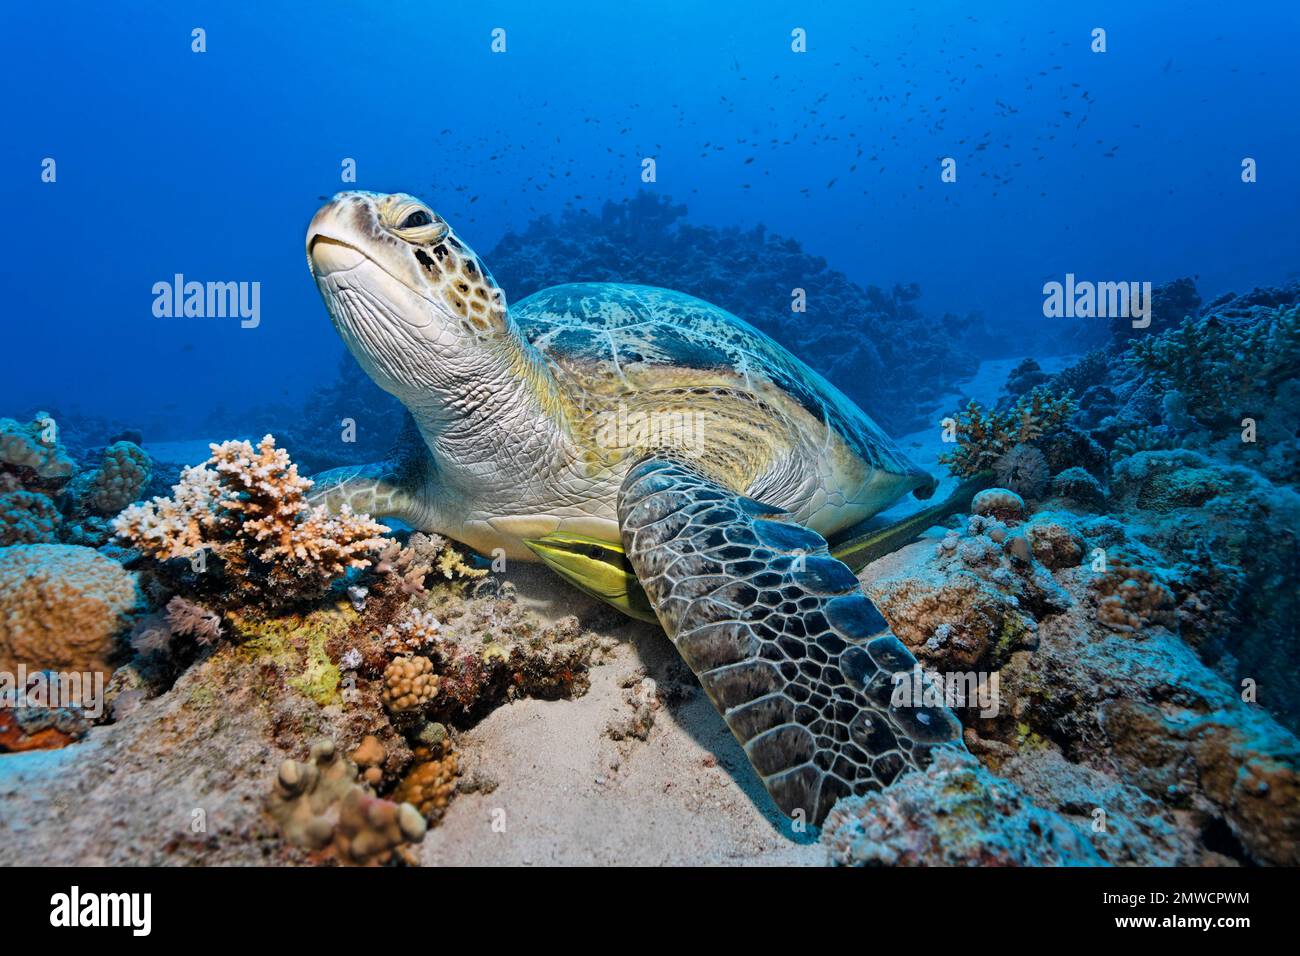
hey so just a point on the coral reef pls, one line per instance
(409, 684)
(954, 814)
(27, 517)
(1131, 598)
(1225, 369)
(321, 806)
(119, 480)
(1077, 487)
(983, 437)
(61, 607)
(1080, 621)
(248, 507)
(458, 656)
(32, 454)
(432, 781)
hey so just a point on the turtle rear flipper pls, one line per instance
(794, 656)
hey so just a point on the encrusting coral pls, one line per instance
(1131, 598)
(249, 508)
(27, 517)
(61, 607)
(33, 453)
(955, 814)
(1114, 690)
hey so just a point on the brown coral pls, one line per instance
(409, 684)
(248, 506)
(431, 783)
(193, 620)
(999, 503)
(321, 806)
(411, 564)
(1131, 598)
(61, 607)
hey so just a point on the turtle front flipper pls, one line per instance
(394, 488)
(795, 657)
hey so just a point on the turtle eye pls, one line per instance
(418, 218)
(415, 223)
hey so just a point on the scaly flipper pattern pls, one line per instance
(393, 488)
(794, 656)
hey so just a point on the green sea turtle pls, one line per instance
(622, 423)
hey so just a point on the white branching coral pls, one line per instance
(414, 631)
(248, 507)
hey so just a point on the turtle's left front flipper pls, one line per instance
(795, 657)
(392, 488)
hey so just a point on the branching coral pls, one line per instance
(414, 631)
(248, 507)
(411, 564)
(1226, 369)
(985, 436)
(1141, 438)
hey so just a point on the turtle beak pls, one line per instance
(327, 251)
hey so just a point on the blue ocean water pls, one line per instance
(1118, 165)
(930, 204)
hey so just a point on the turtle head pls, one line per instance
(412, 302)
